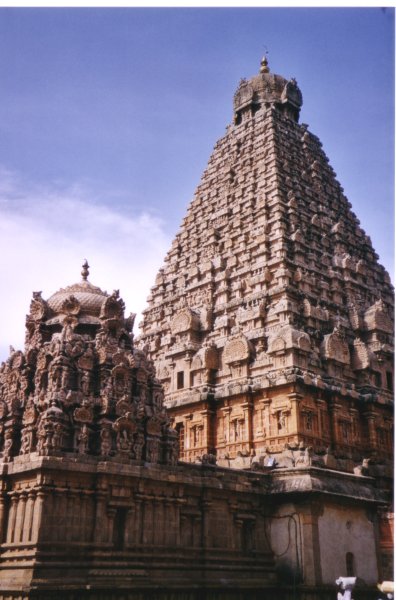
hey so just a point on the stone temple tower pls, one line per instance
(268, 340)
(270, 322)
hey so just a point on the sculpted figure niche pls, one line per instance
(80, 386)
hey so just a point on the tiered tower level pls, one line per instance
(271, 321)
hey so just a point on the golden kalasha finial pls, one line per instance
(264, 65)
(85, 270)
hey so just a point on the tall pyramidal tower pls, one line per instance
(270, 323)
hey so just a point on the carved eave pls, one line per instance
(112, 308)
(376, 318)
(237, 350)
(335, 348)
(38, 308)
(362, 358)
(287, 338)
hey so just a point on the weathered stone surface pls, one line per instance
(80, 386)
(91, 496)
(270, 325)
(272, 271)
(288, 293)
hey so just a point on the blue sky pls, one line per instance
(108, 118)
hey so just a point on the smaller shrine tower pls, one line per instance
(80, 387)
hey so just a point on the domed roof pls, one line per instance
(80, 298)
(269, 88)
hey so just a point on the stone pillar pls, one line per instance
(265, 417)
(178, 504)
(37, 516)
(196, 530)
(226, 412)
(322, 407)
(151, 521)
(80, 517)
(168, 512)
(129, 527)
(205, 505)
(69, 515)
(311, 553)
(173, 382)
(209, 433)
(74, 516)
(3, 512)
(233, 506)
(63, 517)
(27, 526)
(247, 408)
(238, 534)
(20, 517)
(333, 411)
(54, 533)
(100, 517)
(136, 536)
(187, 436)
(183, 530)
(354, 423)
(146, 521)
(12, 518)
(294, 424)
(372, 434)
(111, 513)
(157, 521)
(83, 516)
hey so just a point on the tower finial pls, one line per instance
(85, 270)
(264, 68)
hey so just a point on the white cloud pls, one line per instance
(45, 234)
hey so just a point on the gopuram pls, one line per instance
(241, 449)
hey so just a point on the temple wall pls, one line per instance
(326, 593)
(252, 422)
(343, 530)
(80, 525)
(311, 543)
(284, 531)
(85, 523)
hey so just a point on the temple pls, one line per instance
(242, 446)
(271, 320)
(91, 494)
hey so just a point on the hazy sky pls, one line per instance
(108, 117)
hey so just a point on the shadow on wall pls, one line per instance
(288, 574)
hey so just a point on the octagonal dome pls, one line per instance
(267, 88)
(82, 299)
